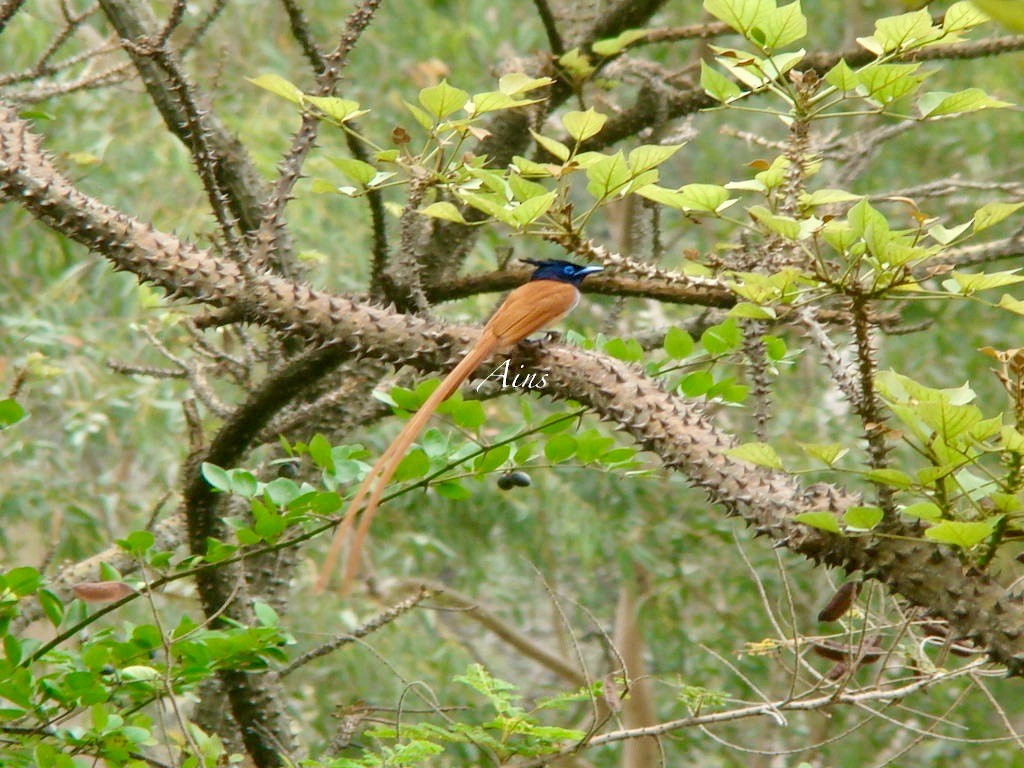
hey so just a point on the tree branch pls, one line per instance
(677, 430)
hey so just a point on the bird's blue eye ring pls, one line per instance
(568, 269)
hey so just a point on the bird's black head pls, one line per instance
(564, 271)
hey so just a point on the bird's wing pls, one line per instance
(530, 307)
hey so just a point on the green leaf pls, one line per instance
(775, 174)
(986, 428)
(938, 103)
(607, 176)
(827, 453)
(750, 311)
(515, 83)
(23, 581)
(265, 615)
(949, 421)
(908, 30)
(962, 16)
(648, 156)
(52, 606)
(414, 464)
(553, 146)
(138, 673)
(970, 283)
(729, 390)
(321, 452)
(862, 518)
(785, 226)
(406, 399)
(761, 454)
(1009, 303)
(282, 490)
(12, 650)
(559, 448)
(137, 542)
(243, 483)
(530, 168)
(704, 197)
(553, 424)
(582, 125)
(717, 85)
(842, 77)
(944, 236)
(1011, 439)
(576, 63)
(443, 99)
(902, 389)
(775, 346)
(278, 86)
(629, 350)
(923, 510)
(453, 489)
(783, 26)
(493, 459)
(824, 521)
(320, 186)
(722, 338)
(216, 477)
(891, 477)
(10, 412)
(992, 213)
(708, 198)
(697, 383)
(530, 210)
(741, 15)
(468, 414)
(678, 343)
(338, 110)
(523, 189)
(618, 455)
(421, 116)
(591, 444)
(494, 101)
(662, 196)
(885, 83)
(828, 197)
(216, 551)
(614, 45)
(443, 210)
(492, 205)
(356, 170)
(960, 534)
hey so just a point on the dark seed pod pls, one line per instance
(101, 591)
(840, 603)
(289, 469)
(516, 479)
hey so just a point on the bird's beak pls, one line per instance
(589, 271)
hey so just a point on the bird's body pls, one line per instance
(550, 295)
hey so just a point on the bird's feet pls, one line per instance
(548, 337)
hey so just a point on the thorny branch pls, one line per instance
(676, 430)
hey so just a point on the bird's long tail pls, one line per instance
(377, 479)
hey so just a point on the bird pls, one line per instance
(550, 294)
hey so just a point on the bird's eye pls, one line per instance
(568, 269)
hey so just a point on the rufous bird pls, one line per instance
(550, 294)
